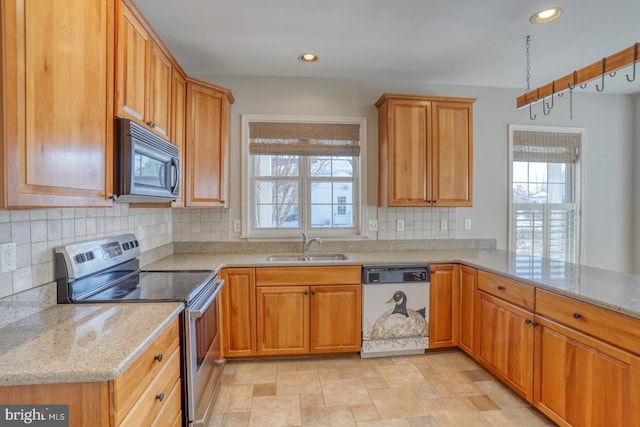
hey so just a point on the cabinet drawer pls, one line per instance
(130, 385)
(615, 328)
(282, 276)
(509, 290)
(171, 408)
(149, 404)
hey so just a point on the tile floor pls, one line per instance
(445, 388)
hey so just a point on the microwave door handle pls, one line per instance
(175, 178)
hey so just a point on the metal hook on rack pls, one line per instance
(531, 117)
(571, 87)
(635, 58)
(553, 91)
(600, 89)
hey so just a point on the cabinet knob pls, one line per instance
(500, 288)
(158, 357)
(160, 396)
(577, 315)
(151, 124)
(313, 292)
(535, 324)
(527, 321)
(306, 293)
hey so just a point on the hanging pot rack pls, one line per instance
(608, 65)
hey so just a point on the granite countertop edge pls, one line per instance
(99, 359)
(607, 289)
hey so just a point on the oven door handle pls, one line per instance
(197, 312)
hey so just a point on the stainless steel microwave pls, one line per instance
(147, 167)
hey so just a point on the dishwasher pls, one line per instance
(395, 310)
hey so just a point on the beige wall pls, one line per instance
(607, 162)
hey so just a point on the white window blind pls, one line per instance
(304, 176)
(545, 211)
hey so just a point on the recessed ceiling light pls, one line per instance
(546, 15)
(307, 57)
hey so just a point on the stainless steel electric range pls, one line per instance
(107, 271)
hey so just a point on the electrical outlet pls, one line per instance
(7, 257)
(444, 225)
(237, 225)
(467, 224)
(373, 225)
(400, 225)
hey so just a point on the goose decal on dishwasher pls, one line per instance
(400, 322)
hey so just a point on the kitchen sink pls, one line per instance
(306, 257)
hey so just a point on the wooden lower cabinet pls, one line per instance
(335, 319)
(238, 312)
(283, 320)
(308, 310)
(468, 283)
(504, 336)
(148, 393)
(583, 381)
(443, 306)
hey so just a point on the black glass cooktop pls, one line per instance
(147, 286)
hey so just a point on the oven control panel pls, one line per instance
(85, 258)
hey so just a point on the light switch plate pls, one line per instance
(400, 225)
(373, 225)
(444, 225)
(237, 225)
(7, 257)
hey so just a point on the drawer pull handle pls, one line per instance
(158, 357)
(500, 288)
(160, 396)
(577, 315)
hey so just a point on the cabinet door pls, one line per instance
(132, 49)
(408, 155)
(582, 381)
(178, 118)
(443, 306)
(335, 318)
(57, 89)
(505, 342)
(159, 91)
(283, 320)
(207, 146)
(238, 312)
(468, 283)
(452, 150)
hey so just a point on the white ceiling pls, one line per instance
(459, 42)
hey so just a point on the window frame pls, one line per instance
(249, 232)
(574, 179)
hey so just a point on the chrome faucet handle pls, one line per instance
(304, 242)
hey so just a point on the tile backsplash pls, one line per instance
(37, 232)
(418, 223)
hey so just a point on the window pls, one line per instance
(544, 209)
(304, 175)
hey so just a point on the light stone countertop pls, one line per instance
(80, 342)
(608, 289)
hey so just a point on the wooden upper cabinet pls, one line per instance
(57, 87)
(425, 151)
(207, 144)
(143, 73)
(178, 122)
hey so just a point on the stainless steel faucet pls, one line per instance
(306, 242)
